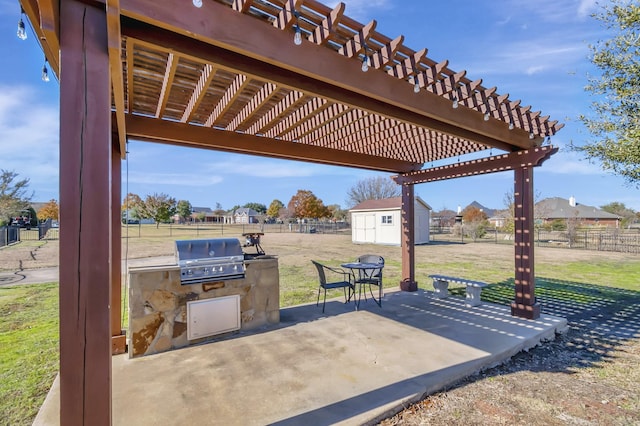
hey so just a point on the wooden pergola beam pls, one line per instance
(223, 39)
(526, 158)
(163, 131)
(115, 65)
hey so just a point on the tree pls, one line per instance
(475, 222)
(49, 210)
(628, 215)
(184, 210)
(130, 207)
(13, 195)
(274, 209)
(159, 207)
(306, 205)
(257, 207)
(615, 123)
(337, 214)
(373, 188)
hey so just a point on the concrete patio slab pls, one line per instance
(342, 367)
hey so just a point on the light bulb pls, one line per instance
(45, 74)
(455, 102)
(511, 125)
(297, 37)
(416, 87)
(531, 135)
(22, 32)
(486, 116)
(197, 3)
(365, 64)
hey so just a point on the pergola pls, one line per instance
(277, 78)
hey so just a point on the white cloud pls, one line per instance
(180, 179)
(29, 131)
(586, 7)
(264, 168)
(362, 8)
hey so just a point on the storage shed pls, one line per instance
(379, 221)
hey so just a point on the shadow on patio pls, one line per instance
(345, 366)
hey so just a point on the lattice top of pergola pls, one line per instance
(232, 66)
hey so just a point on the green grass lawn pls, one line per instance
(28, 349)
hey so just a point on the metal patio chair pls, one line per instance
(339, 278)
(370, 277)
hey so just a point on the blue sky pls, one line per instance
(535, 51)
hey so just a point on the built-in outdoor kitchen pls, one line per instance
(214, 288)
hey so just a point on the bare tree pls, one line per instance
(373, 188)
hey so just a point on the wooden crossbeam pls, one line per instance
(130, 80)
(242, 6)
(199, 92)
(276, 113)
(229, 97)
(526, 158)
(301, 120)
(291, 120)
(407, 67)
(385, 55)
(257, 102)
(357, 43)
(167, 82)
(182, 134)
(288, 16)
(325, 30)
(318, 121)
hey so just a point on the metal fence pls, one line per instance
(9, 235)
(203, 230)
(615, 240)
(624, 241)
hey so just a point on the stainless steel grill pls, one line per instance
(209, 260)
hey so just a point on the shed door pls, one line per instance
(365, 228)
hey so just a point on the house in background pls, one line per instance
(245, 215)
(552, 209)
(378, 221)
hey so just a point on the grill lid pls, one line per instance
(200, 251)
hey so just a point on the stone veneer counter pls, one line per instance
(158, 303)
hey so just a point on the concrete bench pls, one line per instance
(474, 288)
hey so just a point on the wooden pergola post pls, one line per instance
(118, 338)
(407, 213)
(85, 215)
(525, 304)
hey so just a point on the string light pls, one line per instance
(197, 3)
(531, 135)
(45, 72)
(511, 125)
(22, 31)
(486, 112)
(297, 36)
(455, 101)
(416, 84)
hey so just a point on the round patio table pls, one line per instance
(368, 269)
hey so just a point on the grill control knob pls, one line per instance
(189, 272)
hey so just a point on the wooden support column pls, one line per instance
(118, 336)
(525, 304)
(85, 216)
(408, 282)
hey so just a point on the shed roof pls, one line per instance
(393, 203)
